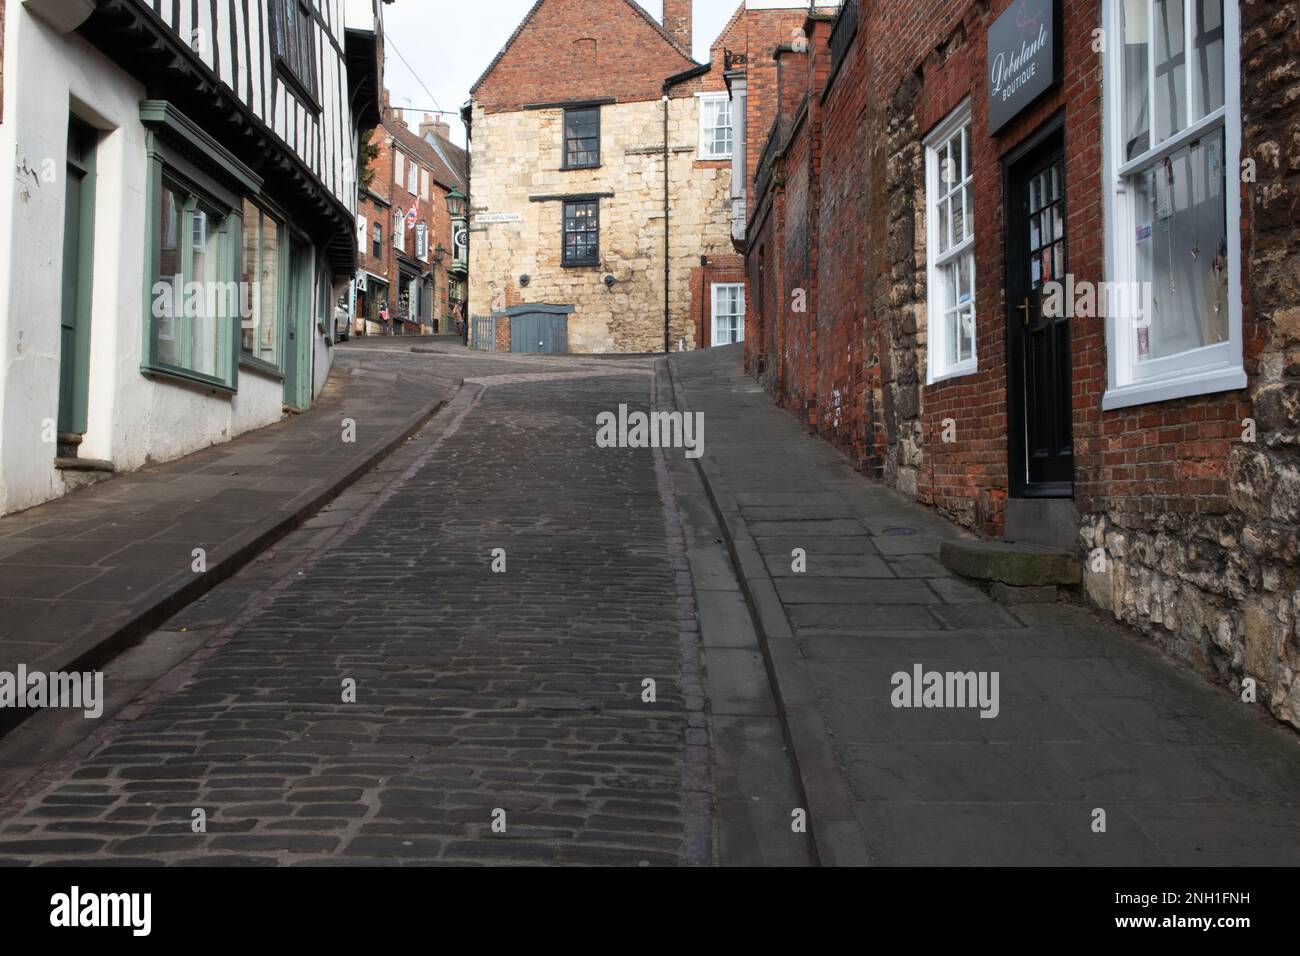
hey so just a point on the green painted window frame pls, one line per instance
(247, 359)
(228, 230)
(182, 155)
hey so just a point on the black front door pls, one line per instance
(1040, 438)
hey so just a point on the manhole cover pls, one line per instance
(898, 532)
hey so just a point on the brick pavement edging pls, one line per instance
(96, 649)
(836, 836)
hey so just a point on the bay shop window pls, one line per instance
(218, 276)
(193, 254)
(1173, 143)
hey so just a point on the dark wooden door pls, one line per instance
(1040, 433)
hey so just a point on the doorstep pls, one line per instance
(1010, 563)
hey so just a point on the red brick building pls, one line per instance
(1035, 265)
(413, 275)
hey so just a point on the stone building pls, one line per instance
(177, 227)
(412, 273)
(1052, 271)
(569, 219)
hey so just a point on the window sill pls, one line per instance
(714, 159)
(176, 376)
(572, 169)
(261, 366)
(580, 265)
(1184, 386)
(960, 371)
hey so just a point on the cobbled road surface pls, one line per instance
(481, 698)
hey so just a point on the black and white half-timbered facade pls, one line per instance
(181, 226)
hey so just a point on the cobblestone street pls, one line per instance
(475, 691)
(507, 644)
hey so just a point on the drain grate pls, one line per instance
(898, 532)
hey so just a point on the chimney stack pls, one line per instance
(439, 127)
(677, 21)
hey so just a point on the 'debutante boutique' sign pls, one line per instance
(1024, 58)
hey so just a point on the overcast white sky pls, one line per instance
(449, 43)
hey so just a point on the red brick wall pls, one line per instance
(1201, 530)
(552, 59)
(847, 375)
(766, 283)
(764, 31)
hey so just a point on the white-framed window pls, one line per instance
(1173, 248)
(716, 131)
(399, 166)
(412, 178)
(424, 183)
(950, 248)
(399, 230)
(728, 313)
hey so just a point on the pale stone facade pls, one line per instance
(517, 156)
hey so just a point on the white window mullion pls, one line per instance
(1174, 143)
(1189, 38)
(1153, 124)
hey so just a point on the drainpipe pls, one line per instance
(668, 85)
(667, 334)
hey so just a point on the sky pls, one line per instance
(449, 43)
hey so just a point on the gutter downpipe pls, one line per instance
(669, 83)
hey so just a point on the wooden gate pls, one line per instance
(483, 333)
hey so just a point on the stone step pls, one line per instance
(1019, 565)
(1051, 522)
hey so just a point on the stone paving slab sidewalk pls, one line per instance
(1090, 717)
(85, 576)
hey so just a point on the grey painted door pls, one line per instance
(78, 268)
(539, 332)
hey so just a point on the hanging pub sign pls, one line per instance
(1024, 58)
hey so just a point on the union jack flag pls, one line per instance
(414, 214)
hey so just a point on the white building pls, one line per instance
(178, 224)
